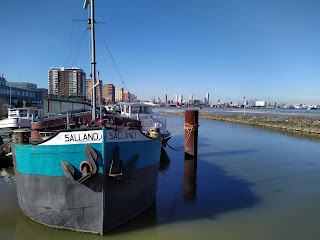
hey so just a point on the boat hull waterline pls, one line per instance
(99, 203)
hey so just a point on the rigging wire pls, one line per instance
(83, 36)
(114, 62)
(81, 40)
(70, 43)
(71, 50)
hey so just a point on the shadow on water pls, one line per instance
(200, 190)
(212, 154)
(192, 189)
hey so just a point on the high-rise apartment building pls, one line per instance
(165, 98)
(207, 99)
(108, 93)
(66, 82)
(180, 98)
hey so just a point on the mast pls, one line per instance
(91, 22)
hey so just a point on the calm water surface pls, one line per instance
(249, 183)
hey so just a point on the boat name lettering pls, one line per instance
(82, 137)
(122, 135)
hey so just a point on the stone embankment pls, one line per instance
(301, 124)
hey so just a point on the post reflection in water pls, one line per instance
(190, 179)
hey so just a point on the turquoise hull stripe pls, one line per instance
(46, 160)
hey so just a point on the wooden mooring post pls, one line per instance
(191, 133)
(190, 157)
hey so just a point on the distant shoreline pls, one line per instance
(297, 124)
(265, 112)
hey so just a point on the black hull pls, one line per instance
(97, 205)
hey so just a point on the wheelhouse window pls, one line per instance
(23, 113)
(142, 109)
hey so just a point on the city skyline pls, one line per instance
(262, 50)
(112, 94)
(177, 98)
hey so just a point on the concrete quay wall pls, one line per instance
(301, 124)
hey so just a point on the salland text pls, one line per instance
(82, 137)
(121, 135)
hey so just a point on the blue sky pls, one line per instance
(266, 50)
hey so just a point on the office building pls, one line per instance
(259, 103)
(22, 85)
(17, 96)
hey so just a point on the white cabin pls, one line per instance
(20, 117)
(143, 112)
(136, 110)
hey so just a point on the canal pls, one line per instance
(248, 183)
